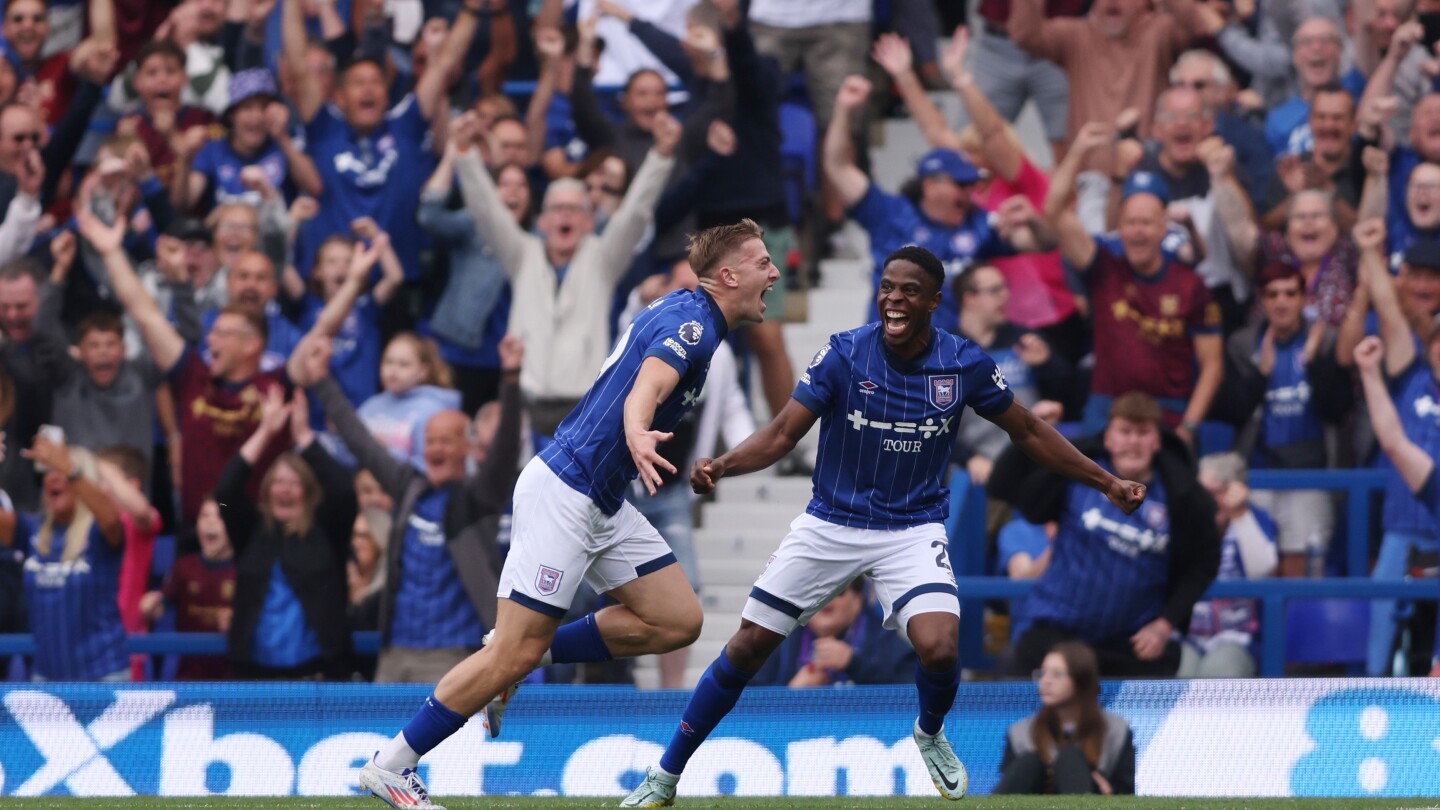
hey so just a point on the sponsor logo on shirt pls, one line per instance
(1124, 538)
(912, 445)
(674, 346)
(54, 574)
(1426, 407)
(868, 387)
(1288, 400)
(999, 379)
(428, 532)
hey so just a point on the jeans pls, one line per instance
(1393, 563)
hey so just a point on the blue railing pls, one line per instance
(968, 555)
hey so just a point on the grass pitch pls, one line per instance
(852, 803)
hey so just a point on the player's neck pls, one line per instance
(913, 348)
(731, 309)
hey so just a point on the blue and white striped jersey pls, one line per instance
(886, 424)
(589, 452)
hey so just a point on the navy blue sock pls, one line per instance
(579, 642)
(937, 694)
(431, 726)
(714, 697)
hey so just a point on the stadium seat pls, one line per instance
(1327, 631)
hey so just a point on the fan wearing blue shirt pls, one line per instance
(258, 137)
(1415, 464)
(571, 523)
(888, 397)
(941, 215)
(372, 161)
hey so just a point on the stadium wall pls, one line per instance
(1340, 737)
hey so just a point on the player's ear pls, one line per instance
(935, 300)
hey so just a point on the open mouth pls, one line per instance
(896, 322)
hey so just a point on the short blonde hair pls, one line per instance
(710, 246)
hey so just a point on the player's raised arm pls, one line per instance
(656, 381)
(1047, 447)
(763, 448)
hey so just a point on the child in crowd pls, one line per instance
(200, 588)
(417, 385)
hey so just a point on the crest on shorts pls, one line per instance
(942, 390)
(547, 582)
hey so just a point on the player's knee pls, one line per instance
(938, 652)
(683, 628)
(749, 648)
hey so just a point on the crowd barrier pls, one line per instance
(1220, 738)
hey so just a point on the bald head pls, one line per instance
(445, 447)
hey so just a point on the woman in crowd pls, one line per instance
(291, 597)
(72, 576)
(1071, 745)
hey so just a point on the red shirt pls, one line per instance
(200, 591)
(162, 157)
(57, 87)
(135, 580)
(1144, 327)
(1039, 296)
(216, 418)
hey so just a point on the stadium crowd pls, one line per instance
(302, 283)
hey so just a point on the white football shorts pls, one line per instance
(910, 569)
(559, 537)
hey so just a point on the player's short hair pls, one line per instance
(254, 319)
(922, 258)
(1137, 407)
(101, 321)
(159, 47)
(130, 460)
(711, 246)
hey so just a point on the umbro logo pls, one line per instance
(868, 387)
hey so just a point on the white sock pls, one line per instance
(920, 733)
(661, 769)
(397, 755)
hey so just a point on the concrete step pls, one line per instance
(793, 491)
(746, 544)
(716, 599)
(754, 515)
(726, 569)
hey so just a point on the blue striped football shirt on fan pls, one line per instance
(431, 608)
(1110, 571)
(1417, 398)
(589, 452)
(74, 612)
(887, 424)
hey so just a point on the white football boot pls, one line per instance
(658, 790)
(402, 790)
(946, 770)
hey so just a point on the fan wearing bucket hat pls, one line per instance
(258, 124)
(941, 216)
(1155, 323)
(372, 158)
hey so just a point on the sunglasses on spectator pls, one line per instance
(567, 208)
(611, 190)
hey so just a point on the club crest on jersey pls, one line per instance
(691, 332)
(547, 582)
(942, 390)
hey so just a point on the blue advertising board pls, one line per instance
(1250, 738)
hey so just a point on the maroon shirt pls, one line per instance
(199, 591)
(216, 418)
(996, 12)
(162, 157)
(1144, 326)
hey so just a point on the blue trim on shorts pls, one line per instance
(536, 605)
(668, 558)
(771, 600)
(929, 587)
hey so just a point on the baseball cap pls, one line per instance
(1146, 183)
(1423, 253)
(950, 163)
